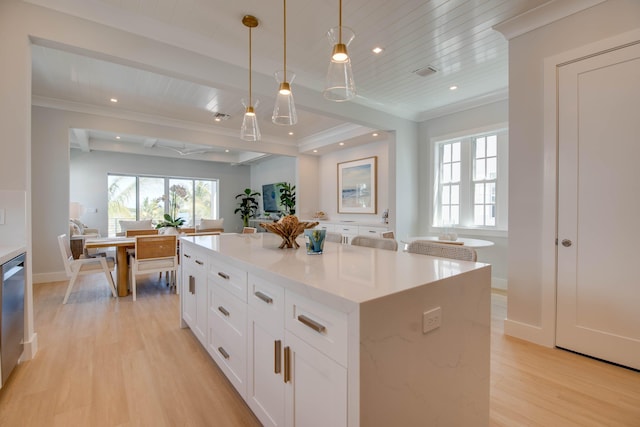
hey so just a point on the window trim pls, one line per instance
(501, 228)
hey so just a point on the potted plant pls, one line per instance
(248, 205)
(288, 198)
(171, 221)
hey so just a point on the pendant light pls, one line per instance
(284, 112)
(339, 84)
(250, 130)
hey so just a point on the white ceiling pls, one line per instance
(453, 36)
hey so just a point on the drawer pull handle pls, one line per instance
(223, 275)
(187, 256)
(276, 356)
(223, 352)
(264, 297)
(199, 262)
(223, 310)
(311, 323)
(287, 362)
(192, 285)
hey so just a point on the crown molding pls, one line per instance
(478, 101)
(542, 15)
(332, 136)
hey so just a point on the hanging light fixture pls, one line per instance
(250, 130)
(339, 85)
(284, 112)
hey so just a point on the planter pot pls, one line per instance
(169, 230)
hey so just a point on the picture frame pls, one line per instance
(357, 186)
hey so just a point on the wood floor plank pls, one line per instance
(111, 362)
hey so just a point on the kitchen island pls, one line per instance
(353, 337)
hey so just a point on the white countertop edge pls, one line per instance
(7, 253)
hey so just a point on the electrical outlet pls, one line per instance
(431, 319)
(2, 214)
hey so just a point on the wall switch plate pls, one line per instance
(2, 214)
(431, 319)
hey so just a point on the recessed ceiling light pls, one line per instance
(342, 143)
(114, 100)
(454, 87)
(290, 133)
(117, 137)
(377, 50)
(217, 119)
(375, 134)
(315, 151)
(226, 151)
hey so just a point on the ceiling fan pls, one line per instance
(184, 151)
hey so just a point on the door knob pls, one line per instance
(566, 243)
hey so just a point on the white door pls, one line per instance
(598, 300)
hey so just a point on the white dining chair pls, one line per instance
(333, 237)
(154, 254)
(83, 266)
(444, 250)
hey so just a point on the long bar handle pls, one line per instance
(199, 262)
(187, 256)
(223, 275)
(223, 352)
(223, 310)
(192, 285)
(277, 349)
(287, 363)
(264, 297)
(318, 327)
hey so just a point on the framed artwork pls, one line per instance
(357, 186)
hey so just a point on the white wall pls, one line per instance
(495, 114)
(328, 181)
(52, 166)
(528, 244)
(272, 170)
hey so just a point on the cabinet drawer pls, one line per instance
(193, 259)
(328, 227)
(267, 299)
(229, 352)
(227, 311)
(346, 229)
(230, 278)
(320, 326)
(371, 231)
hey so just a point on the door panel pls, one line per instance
(599, 206)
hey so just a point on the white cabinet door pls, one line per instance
(188, 297)
(316, 389)
(194, 292)
(265, 388)
(265, 384)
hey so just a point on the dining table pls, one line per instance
(466, 241)
(122, 243)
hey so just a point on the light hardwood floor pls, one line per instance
(111, 362)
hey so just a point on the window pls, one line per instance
(150, 197)
(470, 181)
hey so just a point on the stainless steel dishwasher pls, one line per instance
(12, 319)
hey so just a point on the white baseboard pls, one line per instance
(30, 348)
(531, 333)
(58, 276)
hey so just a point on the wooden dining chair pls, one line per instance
(154, 254)
(83, 266)
(426, 247)
(375, 242)
(249, 230)
(388, 235)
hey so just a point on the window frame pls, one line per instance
(215, 208)
(466, 192)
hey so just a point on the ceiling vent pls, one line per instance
(220, 116)
(426, 71)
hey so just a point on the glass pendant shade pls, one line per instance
(339, 85)
(284, 111)
(250, 131)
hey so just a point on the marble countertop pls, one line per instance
(343, 275)
(7, 253)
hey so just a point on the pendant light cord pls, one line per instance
(250, 102)
(285, 41)
(340, 23)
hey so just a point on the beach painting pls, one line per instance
(357, 186)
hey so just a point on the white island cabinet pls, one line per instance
(353, 337)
